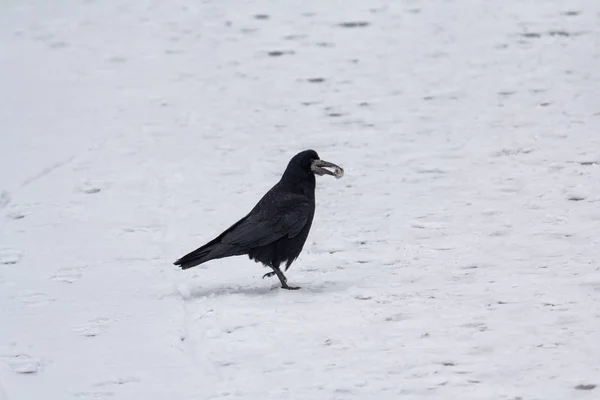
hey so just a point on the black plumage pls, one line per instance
(275, 230)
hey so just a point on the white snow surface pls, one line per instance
(459, 257)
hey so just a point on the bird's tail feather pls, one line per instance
(196, 257)
(210, 251)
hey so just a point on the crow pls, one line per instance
(275, 230)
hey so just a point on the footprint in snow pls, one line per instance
(396, 317)
(36, 299)
(577, 193)
(23, 363)
(90, 188)
(15, 215)
(10, 256)
(16, 212)
(589, 386)
(353, 24)
(430, 169)
(142, 229)
(68, 275)
(94, 395)
(117, 382)
(480, 326)
(94, 327)
(427, 225)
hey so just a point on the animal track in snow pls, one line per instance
(19, 211)
(427, 225)
(142, 229)
(585, 387)
(15, 215)
(480, 326)
(117, 382)
(430, 169)
(68, 275)
(512, 152)
(90, 188)
(36, 299)
(23, 363)
(94, 327)
(396, 317)
(94, 395)
(10, 257)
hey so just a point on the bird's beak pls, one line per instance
(319, 168)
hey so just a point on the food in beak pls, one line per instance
(319, 167)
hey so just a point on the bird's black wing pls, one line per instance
(276, 215)
(270, 221)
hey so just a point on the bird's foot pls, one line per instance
(269, 274)
(282, 278)
(290, 287)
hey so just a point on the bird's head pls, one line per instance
(307, 163)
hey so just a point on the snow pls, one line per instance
(456, 259)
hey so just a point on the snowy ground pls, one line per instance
(459, 258)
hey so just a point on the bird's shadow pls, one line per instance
(261, 291)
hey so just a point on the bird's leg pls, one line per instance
(283, 280)
(270, 274)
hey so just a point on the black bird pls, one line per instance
(277, 227)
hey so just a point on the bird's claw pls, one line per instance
(268, 274)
